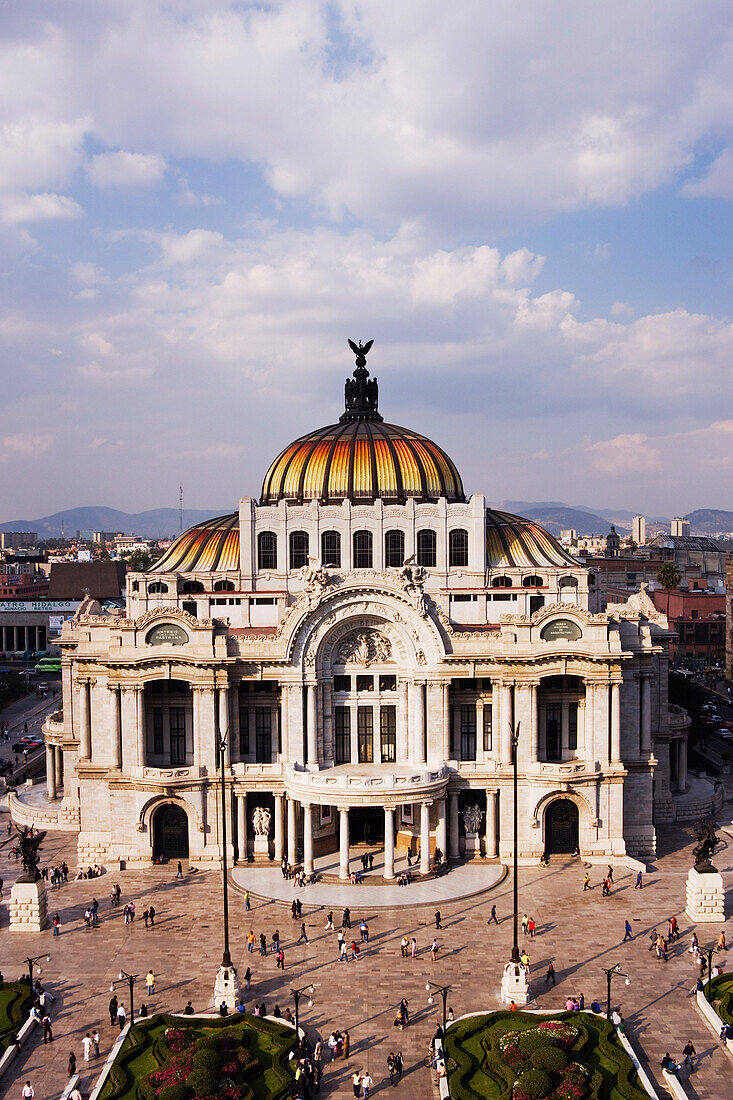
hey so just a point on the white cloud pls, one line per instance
(25, 445)
(125, 171)
(38, 208)
(717, 183)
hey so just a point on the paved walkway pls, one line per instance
(580, 932)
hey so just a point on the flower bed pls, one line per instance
(15, 1004)
(522, 1056)
(164, 1058)
(722, 997)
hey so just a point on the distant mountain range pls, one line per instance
(555, 516)
(158, 523)
(709, 521)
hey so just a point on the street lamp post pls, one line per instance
(515, 755)
(296, 995)
(443, 990)
(130, 979)
(709, 954)
(515, 982)
(226, 985)
(32, 960)
(609, 971)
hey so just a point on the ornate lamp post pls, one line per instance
(296, 995)
(515, 984)
(32, 960)
(130, 979)
(226, 986)
(609, 971)
(708, 952)
(443, 991)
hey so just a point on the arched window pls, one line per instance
(427, 548)
(501, 582)
(394, 549)
(532, 581)
(298, 549)
(363, 549)
(192, 586)
(267, 550)
(568, 582)
(223, 586)
(331, 548)
(157, 587)
(135, 586)
(591, 579)
(458, 548)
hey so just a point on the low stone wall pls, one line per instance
(58, 818)
(12, 1050)
(711, 1018)
(674, 1085)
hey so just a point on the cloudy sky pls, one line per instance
(527, 205)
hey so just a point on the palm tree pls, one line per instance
(669, 577)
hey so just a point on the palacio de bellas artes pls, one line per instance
(365, 640)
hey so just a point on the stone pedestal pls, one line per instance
(226, 987)
(28, 907)
(261, 848)
(515, 984)
(705, 897)
(473, 846)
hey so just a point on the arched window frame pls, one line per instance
(299, 546)
(331, 548)
(458, 548)
(501, 582)
(192, 588)
(394, 549)
(532, 580)
(157, 588)
(266, 550)
(427, 548)
(363, 550)
(223, 586)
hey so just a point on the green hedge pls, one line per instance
(16, 1002)
(478, 1071)
(145, 1050)
(722, 993)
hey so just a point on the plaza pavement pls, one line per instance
(579, 932)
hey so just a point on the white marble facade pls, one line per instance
(361, 705)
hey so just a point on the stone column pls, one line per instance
(344, 844)
(328, 736)
(646, 714)
(601, 722)
(292, 831)
(388, 842)
(403, 742)
(446, 719)
(242, 826)
(39, 639)
(85, 725)
(312, 719)
(308, 839)
(454, 850)
(424, 837)
(50, 772)
(140, 725)
(441, 832)
(285, 720)
(418, 728)
(534, 722)
(116, 726)
(507, 718)
(492, 840)
(279, 827)
(615, 723)
(224, 723)
(682, 767)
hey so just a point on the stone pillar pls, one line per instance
(224, 724)
(344, 844)
(279, 827)
(492, 839)
(242, 826)
(308, 839)
(388, 842)
(682, 767)
(646, 714)
(615, 723)
(285, 690)
(50, 772)
(140, 724)
(454, 848)
(403, 743)
(441, 832)
(446, 719)
(85, 725)
(534, 722)
(424, 837)
(507, 719)
(312, 719)
(292, 832)
(116, 726)
(59, 761)
(197, 697)
(417, 718)
(601, 723)
(328, 735)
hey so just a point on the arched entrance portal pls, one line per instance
(561, 827)
(170, 832)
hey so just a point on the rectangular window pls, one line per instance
(343, 735)
(488, 731)
(553, 731)
(243, 732)
(158, 731)
(468, 731)
(365, 734)
(365, 683)
(177, 717)
(573, 726)
(263, 735)
(388, 734)
(342, 683)
(388, 683)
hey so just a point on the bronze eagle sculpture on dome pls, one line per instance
(360, 351)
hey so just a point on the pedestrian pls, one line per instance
(721, 942)
(150, 983)
(247, 901)
(434, 950)
(303, 935)
(343, 951)
(586, 881)
(346, 919)
(146, 916)
(280, 959)
(179, 870)
(525, 922)
(86, 1046)
(437, 918)
(250, 941)
(392, 1067)
(247, 978)
(152, 915)
(47, 1030)
(71, 1067)
(113, 1009)
(121, 1016)
(654, 936)
(637, 884)
(56, 924)
(404, 945)
(689, 1052)
(674, 929)
(399, 1063)
(354, 951)
(531, 927)
(276, 941)
(550, 975)
(263, 944)
(346, 1046)
(627, 932)
(512, 1007)
(328, 926)
(413, 947)
(493, 916)
(356, 1083)
(95, 1042)
(366, 1085)
(371, 861)
(27, 1092)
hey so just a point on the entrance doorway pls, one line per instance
(561, 827)
(170, 832)
(366, 825)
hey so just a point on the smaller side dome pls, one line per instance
(211, 546)
(513, 541)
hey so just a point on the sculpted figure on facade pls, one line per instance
(315, 582)
(472, 818)
(365, 647)
(261, 821)
(413, 578)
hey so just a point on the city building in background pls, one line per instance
(638, 530)
(18, 540)
(680, 527)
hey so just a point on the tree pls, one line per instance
(669, 577)
(139, 561)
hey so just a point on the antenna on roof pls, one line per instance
(180, 509)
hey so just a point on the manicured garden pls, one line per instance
(722, 997)
(525, 1056)
(15, 1004)
(186, 1058)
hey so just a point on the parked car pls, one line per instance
(724, 733)
(30, 742)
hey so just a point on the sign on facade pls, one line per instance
(167, 634)
(561, 630)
